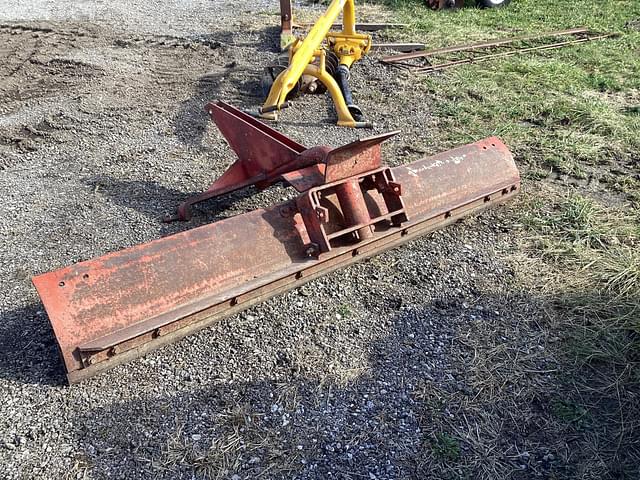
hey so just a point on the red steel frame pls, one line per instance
(108, 310)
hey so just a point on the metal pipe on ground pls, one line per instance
(482, 45)
(511, 53)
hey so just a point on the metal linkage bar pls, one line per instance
(401, 60)
(286, 24)
(362, 27)
(511, 53)
(401, 47)
(476, 46)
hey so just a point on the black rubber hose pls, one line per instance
(342, 77)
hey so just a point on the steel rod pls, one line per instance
(482, 58)
(401, 47)
(476, 46)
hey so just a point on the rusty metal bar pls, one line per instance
(373, 27)
(286, 24)
(488, 44)
(511, 53)
(401, 47)
(363, 27)
(285, 16)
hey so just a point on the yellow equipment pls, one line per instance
(309, 57)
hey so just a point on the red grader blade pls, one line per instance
(117, 307)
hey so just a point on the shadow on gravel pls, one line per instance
(151, 199)
(28, 350)
(234, 82)
(450, 392)
(266, 429)
(410, 413)
(191, 120)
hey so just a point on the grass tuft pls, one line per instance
(570, 412)
(592, 279)
(446, 447)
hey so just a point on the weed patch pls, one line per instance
(446, 447)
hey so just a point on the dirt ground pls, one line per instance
(362, 374)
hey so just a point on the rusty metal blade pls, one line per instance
(355, 158)
(251, 139)
(117, 307)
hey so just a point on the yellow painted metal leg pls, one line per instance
(345, 119)
(349, 47)
(274, 97)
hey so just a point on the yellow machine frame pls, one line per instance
(348, 45)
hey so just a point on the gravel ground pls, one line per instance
(102, 131)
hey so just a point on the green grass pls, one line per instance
(569, 114)
(580, 223)
(598, 246)
(561, 109)
(591, 278)
(344, 310)
(595, 251)
(568, 111)
(569, 412)
(446, 447)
